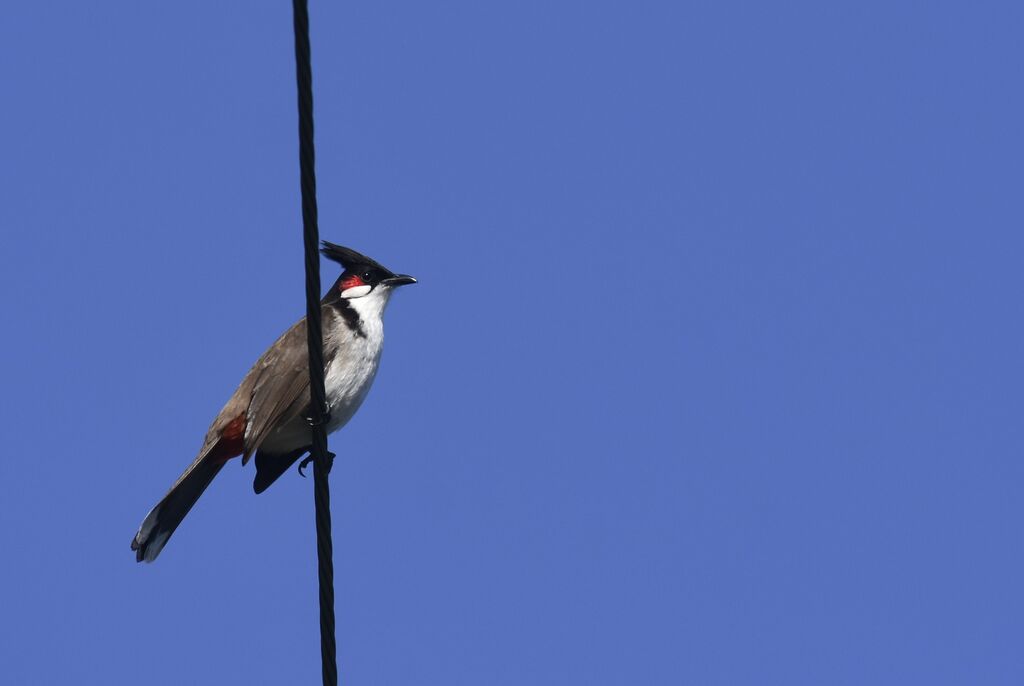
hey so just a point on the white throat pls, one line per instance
(370, 307)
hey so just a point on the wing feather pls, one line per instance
(281, 388)
(275, 390)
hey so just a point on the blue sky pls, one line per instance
(713, 374)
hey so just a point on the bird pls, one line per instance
(269, 414)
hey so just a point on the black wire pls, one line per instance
(322, 458)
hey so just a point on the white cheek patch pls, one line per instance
(356, 291)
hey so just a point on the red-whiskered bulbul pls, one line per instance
(269, 413)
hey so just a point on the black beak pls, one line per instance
(398, 280)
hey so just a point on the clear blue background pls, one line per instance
(713, 375)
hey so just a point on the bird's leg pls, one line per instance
(325, 418)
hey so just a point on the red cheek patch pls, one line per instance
(351, 282)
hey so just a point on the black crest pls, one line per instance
(349, 258)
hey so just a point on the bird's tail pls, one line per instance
(163, 519)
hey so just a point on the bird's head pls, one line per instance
(362, 275)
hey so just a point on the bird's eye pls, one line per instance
(367, 276)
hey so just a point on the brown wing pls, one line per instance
(280, 388)
(274, 391)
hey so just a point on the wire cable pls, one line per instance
(322, 457)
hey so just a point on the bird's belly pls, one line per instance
(346, 383)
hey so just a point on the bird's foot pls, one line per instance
(309, 458)
(324, 420)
